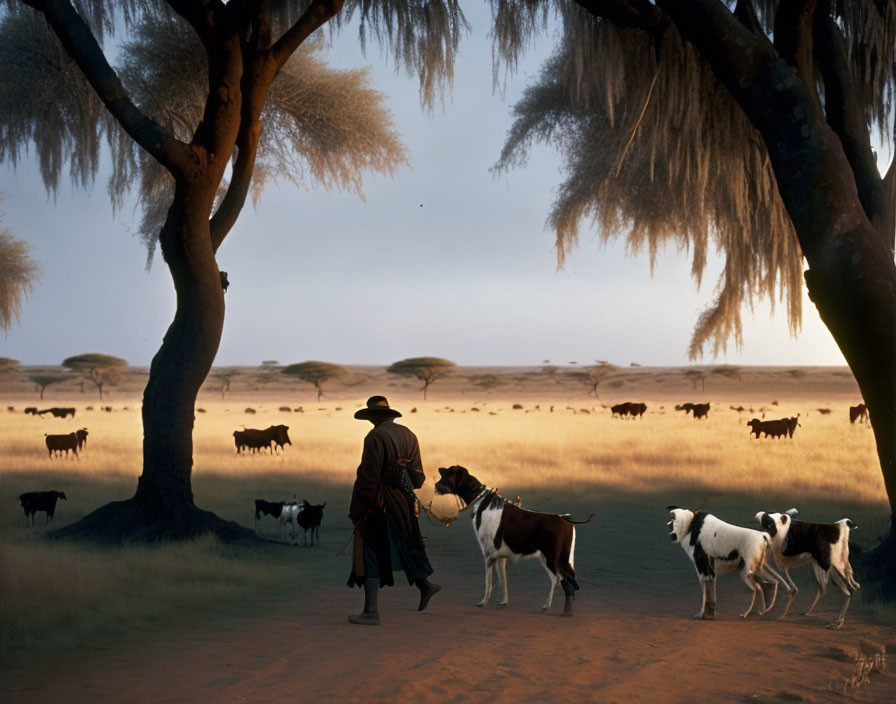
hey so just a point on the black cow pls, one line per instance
(858, 413)
(255, 440)
(270, 508)
(34, 501)
(62, 443)
(309, 518)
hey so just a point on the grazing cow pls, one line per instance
(506, 531)
(255, 440)
(701, 410)
(621, 409)
(62, 443)
(771, 428)
(859, 413)
(716, 547)
(270, 508)
(686, 407)
(824, 545)
(34, 501)
(58, 412)
(636, 410)
(309, 518)
(81, 434)
(792, 424)
(31, 410)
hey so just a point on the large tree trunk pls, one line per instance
(163, 506)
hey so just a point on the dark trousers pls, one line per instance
(380, 550)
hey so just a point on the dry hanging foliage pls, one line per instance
(656, 150)
(17, 272)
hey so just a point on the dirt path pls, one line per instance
(630, 640)
(304, 650)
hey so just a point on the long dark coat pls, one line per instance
(379, 503)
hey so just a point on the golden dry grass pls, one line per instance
(57, 593)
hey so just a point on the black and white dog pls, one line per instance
(506, 531)
(716, 547)
(825, 545)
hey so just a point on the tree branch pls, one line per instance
(317, 14)
(845, 115)
(793, 37)
(230, 207)
(634, 14)
(80, 44)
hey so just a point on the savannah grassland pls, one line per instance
(55, 595)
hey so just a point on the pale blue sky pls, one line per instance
(470, 276)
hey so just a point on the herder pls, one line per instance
(387, 535)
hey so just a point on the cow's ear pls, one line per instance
(672, 508)
(784, 519)
(442, 471)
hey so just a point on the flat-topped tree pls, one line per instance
(316, 373)
(101, 369)
(18, 271)
(426, 369)
(210, 101)
(748, 127)
(42, 381)
(8, 365)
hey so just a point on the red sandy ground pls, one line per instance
(620, 646)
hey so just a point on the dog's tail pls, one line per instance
(587, 520)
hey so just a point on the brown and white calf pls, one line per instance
(505, 531)
(824, 545)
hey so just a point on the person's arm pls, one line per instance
(366, 491)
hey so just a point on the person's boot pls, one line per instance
(427, 590)
(371, 615)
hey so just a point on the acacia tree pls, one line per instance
(17, 274)
(426, 369)
(101, 369)
(316, 373)
(42, 381)
(749, 128)
(594, 375)
(199, 131)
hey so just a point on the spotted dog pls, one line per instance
(824, 545)
(716, 547)
(506, 531)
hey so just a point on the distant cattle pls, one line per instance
(784, 427)
(58, 412)
(31, 411)
(250, 411)
(272, 437)
(700, 410)
(309, 518)
(620, 409)
(34, 501)
(62, 443)
(269, 508)
(636, 410)
(858, 413)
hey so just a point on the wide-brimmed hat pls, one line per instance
(377, 407)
